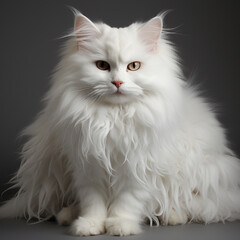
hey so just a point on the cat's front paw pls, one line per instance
(87, 227)
(121, 226)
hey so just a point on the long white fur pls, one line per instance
(156, 149)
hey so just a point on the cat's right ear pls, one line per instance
(84, 29)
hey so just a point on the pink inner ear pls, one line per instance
(84, 29)
(151, 31)
(77, 25)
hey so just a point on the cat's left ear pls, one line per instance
(150, 32)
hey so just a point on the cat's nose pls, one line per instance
(117, 83)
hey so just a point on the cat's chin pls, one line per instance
(119, 98)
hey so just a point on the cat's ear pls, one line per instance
(150, 32)
(84, 29)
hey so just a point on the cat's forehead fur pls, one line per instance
(118, 45)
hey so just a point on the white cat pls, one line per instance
(123, 138)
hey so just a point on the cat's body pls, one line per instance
(120, 144)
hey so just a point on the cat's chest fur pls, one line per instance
(115, 132)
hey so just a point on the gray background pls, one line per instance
(207, 39)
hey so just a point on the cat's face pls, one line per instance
(117, 65)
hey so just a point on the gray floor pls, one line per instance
(19, 229)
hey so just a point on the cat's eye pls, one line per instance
(102, 65)
(134, 66)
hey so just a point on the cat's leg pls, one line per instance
(126, 213)
(219, 199)
(93, 212)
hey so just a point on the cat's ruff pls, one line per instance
(154, 150)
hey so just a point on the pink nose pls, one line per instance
(117, 83)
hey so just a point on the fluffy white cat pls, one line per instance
(123, 138)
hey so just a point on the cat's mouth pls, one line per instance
(118, 93)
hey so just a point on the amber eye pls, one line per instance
(102, 65)
(134, 66)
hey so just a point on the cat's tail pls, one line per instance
(13, 208)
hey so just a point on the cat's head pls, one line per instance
(120, 65)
